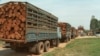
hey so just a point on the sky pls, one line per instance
(74, 12)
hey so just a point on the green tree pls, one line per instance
(94, 24)
(99, 24)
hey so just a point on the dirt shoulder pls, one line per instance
(86, 37)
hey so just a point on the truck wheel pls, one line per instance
(40, 48)
(54, 43)
(32, 49)
(68, 38)
(57, 42)
(62, 40)
(46, 46)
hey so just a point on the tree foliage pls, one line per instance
(94, 24)
(99, 24)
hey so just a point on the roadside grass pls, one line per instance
(78, 47)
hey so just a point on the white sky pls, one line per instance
(75, 12)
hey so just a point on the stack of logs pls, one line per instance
(63, 27)
(12, 20)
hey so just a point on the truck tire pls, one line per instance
(62, 40)
(57, 42)
(68, 38)
(32, 49)
(46, 46)
(53, 43)
(39, 48)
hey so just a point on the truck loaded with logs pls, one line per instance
(26, 27)
(74, 32)
(65, 29)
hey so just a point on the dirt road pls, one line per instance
(9, 52)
